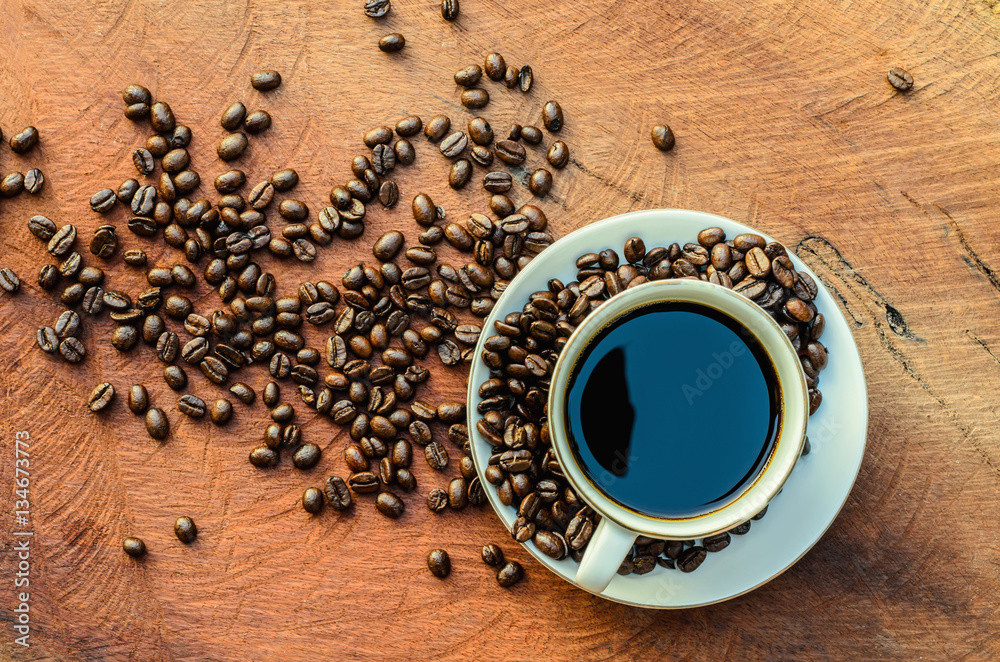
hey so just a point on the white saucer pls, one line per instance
(820, 483)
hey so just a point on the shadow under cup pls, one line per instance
(677, 411)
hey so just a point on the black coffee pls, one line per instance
(673, 409)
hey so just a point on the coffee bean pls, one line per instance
(460, 173)
(436, 455)
(312, 500)
(257, 121)
(143, 161)
(497, 181)
(510, 77)
(33, 181)
(144, 200)
(552, 116)
(263, 457)
(67, 324)
(377, 8)
(389, 505)
(552, 545)
(161, 117)
(105, 242)
(540, 182)
(337, 493)
(101, 397)
(900, 79)
(124, 338)
(136, 94)
(449, 10)
(392, 43)
(134, 547)
(265, 80)
(306, 456)
(510, 574)
(691, 558)
(232, 146)
(11, 185)
(437, 500)
(24, 140)
(47, 340)
(388, 194)
(9, 281)
(509, 152)
(663, 137)
(495, 67)
(531, 135)
(437, 560)
(185, 530)
(221, 411)
(157, 425)
(42, 227)
(475, 98)
(138, 399)
(175, 377)
(243, 393)
(233, 116)
(558, 154)
(72, 350)
(454, 144)
(102, 201)
(525, 78)
(48, 277)
(137, 111)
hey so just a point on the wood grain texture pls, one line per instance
(784, 121)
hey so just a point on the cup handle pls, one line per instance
(605, 552)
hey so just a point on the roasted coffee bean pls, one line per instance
(437, 128)
(392, 43)
(458, 496)
(42, 227)
(663, 137)
(157, 424)
(136, 94)
(900, 79)
(510, 77)
(388, 194)
(312, 500)
(175, 377)
(105, 242)
(263, 457)
(389, 505)
(102, 201)
(454, 144)
(691, 558)
(337, 493)
(257, 122)
(138, 399)
(233, 116)
(72, 350)
(436, 455)
(475, 98)
(265, 80)
(558, 154)
(437, 500)
(48, 277)
(405, 128)
(101, 397)
(509, 152)
(191, 405)
(161, 117)
(143, 161)
(144, 200)
(24, 140)
(34, 180)
(540, 182)
(47, 340)
(124, 338)
(510, 574)
(9, 281)
(460, 173)
(449, 11)
(377, 8)
(497, 181)
(438, 561)
(495, 67)
(67, 324)
(531, 135)
(137, 111)
(11, 185)
(525, 78)
(232, 146)
(221, 411)
(307, 456)
(134, 547)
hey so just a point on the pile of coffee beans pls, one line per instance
(13, 184)
(524, 348)
(386, 321)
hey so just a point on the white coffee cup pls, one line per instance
(620, 525)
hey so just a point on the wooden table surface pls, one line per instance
(784, 120)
